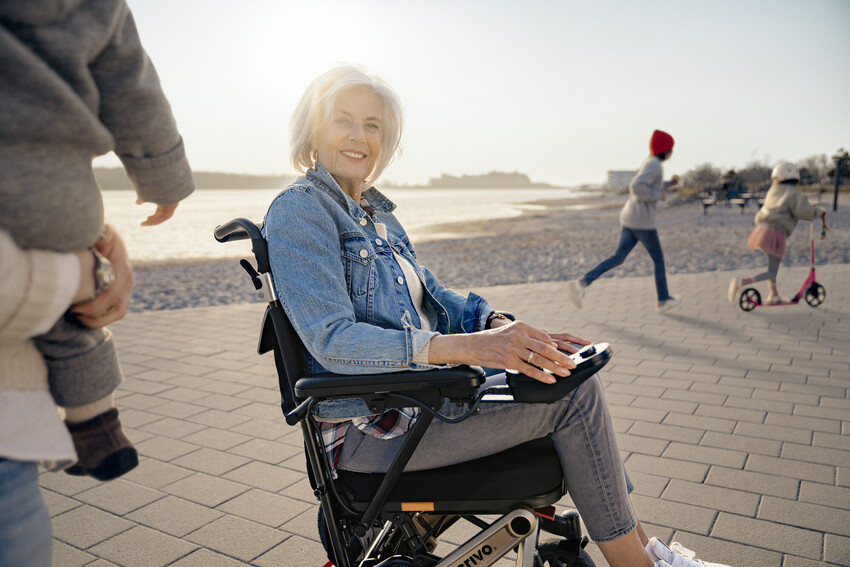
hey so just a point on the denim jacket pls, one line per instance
(342, 288)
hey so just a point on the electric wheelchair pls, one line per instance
(394, 519)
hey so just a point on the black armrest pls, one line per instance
(456, 383)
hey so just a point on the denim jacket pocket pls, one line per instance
(358, 256)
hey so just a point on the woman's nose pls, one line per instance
(357, 133)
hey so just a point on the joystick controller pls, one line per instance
(589, 360)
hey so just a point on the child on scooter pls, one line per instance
(783, 206)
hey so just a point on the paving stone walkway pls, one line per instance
(735, 428)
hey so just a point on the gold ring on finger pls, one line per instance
(530, 355)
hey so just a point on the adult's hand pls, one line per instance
(112, 304)
(517, 346)
(160, 215)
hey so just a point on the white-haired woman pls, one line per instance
(349, 281)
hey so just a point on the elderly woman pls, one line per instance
(349, 280)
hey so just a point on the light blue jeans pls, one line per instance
(629, 238)
(26, 538)
(582, 432)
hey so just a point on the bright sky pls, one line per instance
(561, 90)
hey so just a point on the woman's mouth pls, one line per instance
(352, 154)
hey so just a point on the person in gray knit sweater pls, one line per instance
(75, 83)
(637, 224)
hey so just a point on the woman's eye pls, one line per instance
(342, 121)
(372, 127)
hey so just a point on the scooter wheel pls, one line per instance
(750, 299)
(815, 294)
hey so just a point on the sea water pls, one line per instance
(189, 233)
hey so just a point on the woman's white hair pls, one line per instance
(316, 110)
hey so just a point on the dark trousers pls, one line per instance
(629, 237)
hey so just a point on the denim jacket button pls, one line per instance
(363, 221)
(363, 253)
(378, 241)
(400, 280)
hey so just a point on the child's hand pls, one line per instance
(162, 214)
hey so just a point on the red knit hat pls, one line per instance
(660, 143)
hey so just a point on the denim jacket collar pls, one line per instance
(322, 179)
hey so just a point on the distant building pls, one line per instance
(620, 179)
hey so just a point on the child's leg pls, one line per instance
(769, 274)
(83, 373)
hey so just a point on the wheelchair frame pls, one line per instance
(381, 531)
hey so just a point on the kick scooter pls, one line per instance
(812, 291)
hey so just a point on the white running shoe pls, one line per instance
(668, 304)
(677, 555)
(576, 293)
(734, 287)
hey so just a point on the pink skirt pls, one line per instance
(768, 239)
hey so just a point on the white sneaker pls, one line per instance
(668, 304)
(677, 555)
(576, 293)
(734, 287)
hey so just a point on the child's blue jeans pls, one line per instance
(629, 237)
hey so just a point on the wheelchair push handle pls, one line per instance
(237, 229)
(244, 229)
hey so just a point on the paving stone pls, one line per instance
(67, 556)
(802, 514)
(165, 449)
(700, 422)
(237, 537)
(264, 507)
(143, 547)
(707, 455)
(205, 489)
(119, 496)
(170, 427)
(85, 526)
(266, 451)
(707, 496)
(667, 467)
(768, 535)
(837, 549)
(206, 558)
(674, 514)
(174, 516)
(264, 476)
(294, 550)
(155, 473)
(210, 461)
(742, 443)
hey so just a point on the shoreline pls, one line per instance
(557, 240)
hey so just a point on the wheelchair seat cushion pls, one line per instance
(524, 471)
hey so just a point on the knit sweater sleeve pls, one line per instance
(31, 290)
(802, 209)
(647, 185)
(135, 110)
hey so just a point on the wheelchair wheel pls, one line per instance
(750, 299)
(815, 294)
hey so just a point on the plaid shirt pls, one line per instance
(388, 425)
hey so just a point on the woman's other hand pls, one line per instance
(515, 345)
(112, 304)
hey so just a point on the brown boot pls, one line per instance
(103, 450)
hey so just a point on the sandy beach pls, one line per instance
(557, 241)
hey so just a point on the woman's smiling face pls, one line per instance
(349, 146)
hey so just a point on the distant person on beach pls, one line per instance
(637, 224)
(784, 205)
(351, 284)
(75, 82)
